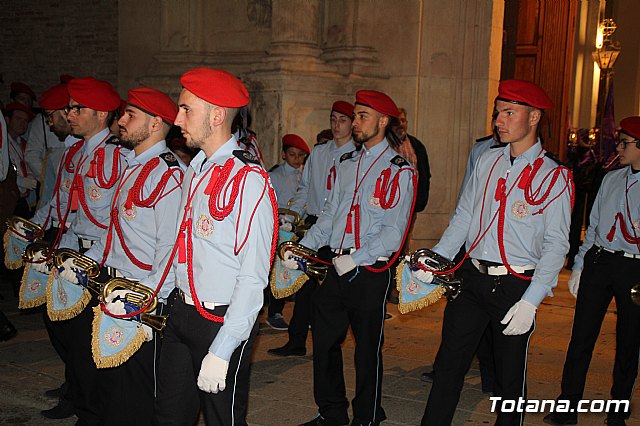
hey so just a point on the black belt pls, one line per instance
(616, 252)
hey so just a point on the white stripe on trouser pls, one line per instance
(524, 378)
(235, 380)
(384, 304)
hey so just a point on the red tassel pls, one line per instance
(74, 194)
(214, 177)
(92, 173)
(182, 249)
(349, 228)
(524, 177)
(612, 232)
(500, 188)
(329, 182)
(376, 194)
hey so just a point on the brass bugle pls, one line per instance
(635, 294)
(27, 225)
(437, 263)
(139, 295)
(35, 247)
(90, 266)
(314, 269)
(299, 226)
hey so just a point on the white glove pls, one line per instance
(213, 374)
(19, 232)
(115, 307)
(116, 294)
(285, 218)
(148, 333)
(289, 262)
(423, 276)
(286, 227)
(27, 182)
(68, 272)
(574, 282)
(520, 318)
(343, 264)
(38, 263)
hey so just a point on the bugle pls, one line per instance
(299, 227)
(434, 262)
(308, 259)
(86, 264)
(32, 230)
(139, 296)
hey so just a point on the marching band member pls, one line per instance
(285, 178)
(607, 266)
(364, 222)
(90, 174)
(138, 244)
(318, 178)
(514, 215)
(224, 248)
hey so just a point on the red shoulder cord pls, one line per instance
(102, 183)
(631, 239)
(135, 197)
(185, 226)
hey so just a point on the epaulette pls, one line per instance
(484, 138)
(113, 140)
(399, 161)
(348, 155)
(170, 159)
(497, 146)
(273, 168)
(554, 158)
(246, 157)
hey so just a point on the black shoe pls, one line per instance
(7, 330)
(277, 322)
(617, 420)
(321, 421)
(561, 419)
(427, 376)
(54, 393)
(287, 350)
(63, 410)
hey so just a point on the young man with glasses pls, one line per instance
(607, 266)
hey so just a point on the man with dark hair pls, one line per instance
(513, 218)
(607, 266)
(363, 222)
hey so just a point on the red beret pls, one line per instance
(96, 94)
(154, 102)
(217, 87)
(17, 106)
(18, 87)
(378, 101)
(296, 142)
(66, 78)
(343, 108)
(56, 97)
(631, 126)
(121, 107)
(524, 93)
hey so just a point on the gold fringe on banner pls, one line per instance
(70, 312)
(281, 293)
(110, 361)
(30, 303)
(415, 305)
(10, 264)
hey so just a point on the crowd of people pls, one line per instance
(161, 227)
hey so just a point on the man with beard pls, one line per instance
(224, 248)
(138, 244)
(318, 179)
(364, 222)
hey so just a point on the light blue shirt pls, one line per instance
(220, 274)
(98, 198)
(610, 201)
(529, 238)
(481, 146)
(319, 170)
(56, 206)
(149, 233)
(285, 180)
(381, 230)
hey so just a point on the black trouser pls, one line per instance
(356, 299)
(484, 300)
(605, 276)
(301, 317)
(275, 305)
(186, 341)
(128, 391)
